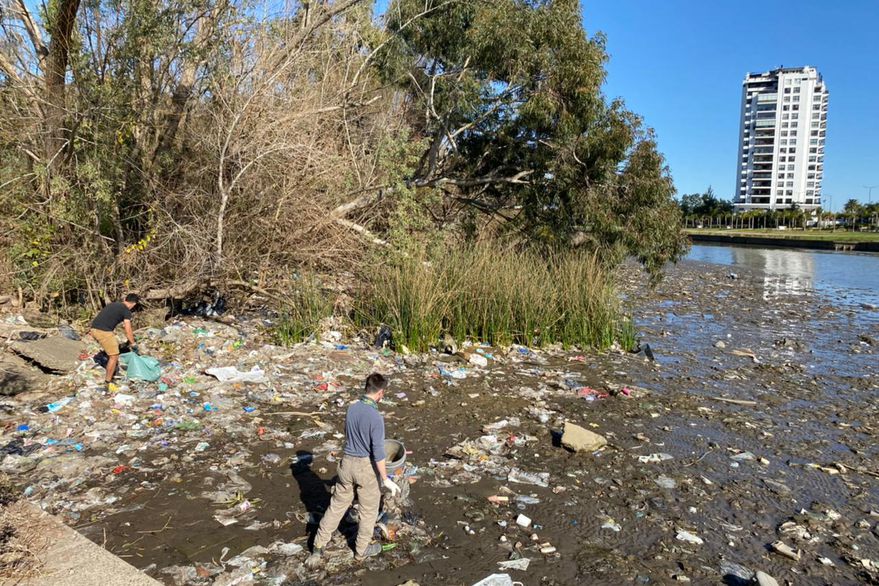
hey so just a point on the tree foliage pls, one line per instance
(704, 204)
(233, 140)
(507, 94)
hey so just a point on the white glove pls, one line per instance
(391, 486)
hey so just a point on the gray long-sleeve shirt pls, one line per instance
(364, 432)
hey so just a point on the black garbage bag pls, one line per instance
(30, 336)
(385, 338)
(101, 359)
(645, 348)
(206, 308)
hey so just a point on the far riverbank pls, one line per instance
(810, 239)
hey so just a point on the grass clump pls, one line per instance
(499, 296)
(301, 319)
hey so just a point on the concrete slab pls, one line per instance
(17, 376)
(55, 353)
(69, 559)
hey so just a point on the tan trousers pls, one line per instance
(107, 340)
(355, 475)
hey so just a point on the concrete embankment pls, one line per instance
(66, 558)
(785, 242)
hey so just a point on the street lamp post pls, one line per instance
(869, 189)
(829, 200)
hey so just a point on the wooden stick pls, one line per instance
(735, 401)
(301, 413)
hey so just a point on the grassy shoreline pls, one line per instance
(847, 237)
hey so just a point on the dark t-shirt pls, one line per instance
(111, 316)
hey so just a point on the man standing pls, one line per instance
(105, 324)
(362, 470)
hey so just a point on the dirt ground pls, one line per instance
(690, 488)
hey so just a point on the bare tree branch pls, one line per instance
(514, 179)
(33, 30)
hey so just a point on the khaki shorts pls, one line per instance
(107, 340)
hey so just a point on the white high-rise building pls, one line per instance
(781, 140)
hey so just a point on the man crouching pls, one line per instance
(361, 470)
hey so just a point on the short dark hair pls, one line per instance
(132, 298)
(375, 383)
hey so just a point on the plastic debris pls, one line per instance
(611, 524)
(57, 405)
(140, 367)
(496, 580)
(520, 564)
(785, 550)
(230, 374)
(522, 477)
(458, 373)
(665, 482)
(689, 537)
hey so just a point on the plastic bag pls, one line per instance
(497, 580)
(141, 367)
(230, 374)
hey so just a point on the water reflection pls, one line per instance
(848, 277)
(785, 272)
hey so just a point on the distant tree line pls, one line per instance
(706, 210)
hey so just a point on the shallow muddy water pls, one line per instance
(848, 277)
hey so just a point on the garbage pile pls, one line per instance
(216, 398)
(201, 395)
(522, 465)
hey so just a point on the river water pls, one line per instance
(845, 278)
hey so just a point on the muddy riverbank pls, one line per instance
(691, 487)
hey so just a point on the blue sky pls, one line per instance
(680, 64)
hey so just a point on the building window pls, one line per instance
(787, 89)
(797, 90)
